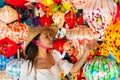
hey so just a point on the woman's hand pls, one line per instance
(91, 45)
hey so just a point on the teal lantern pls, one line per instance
(101, 68)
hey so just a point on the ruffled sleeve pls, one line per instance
(63, 64)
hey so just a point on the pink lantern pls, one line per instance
(80, 35)
(99, 14)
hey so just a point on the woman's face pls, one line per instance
(46, 39)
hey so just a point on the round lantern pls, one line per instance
(3, 61)
(101, 68)
(99, 14)
(112, 39)
(58, 44)
(13, 68)
(79, 4)
(81, 35)
(8, 47)
(4, 30)
(70, 18)
(8, 14)
(18, 32)
(58, 19)
(16, 3)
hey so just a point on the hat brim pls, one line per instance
(34, 31)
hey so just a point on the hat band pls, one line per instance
(40, 44)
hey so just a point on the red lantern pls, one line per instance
(57, 1)
(16, 3)
(70, 18)
(46, 20)
(8, 47)
(58, 44)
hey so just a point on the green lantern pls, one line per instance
(101, 68)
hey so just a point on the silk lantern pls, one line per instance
(13, 68)
(70, 18)
(81, 35)
(101, 68)
(79, 4)
(8, 47)
(58, 19)
(99, 14)
(4, 30)
(3, 61)
(112, 39)
(8, 14)
(18, 32)
(58, 44)
(16, 3)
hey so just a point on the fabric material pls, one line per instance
(46, 74)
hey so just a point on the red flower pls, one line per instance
(8, 47)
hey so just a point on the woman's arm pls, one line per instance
(90, 46)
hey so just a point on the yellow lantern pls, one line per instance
(47, 2)
(112, 39)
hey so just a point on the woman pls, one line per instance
(43, 63)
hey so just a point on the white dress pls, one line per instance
(46, 74)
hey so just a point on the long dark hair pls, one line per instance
(31, 52)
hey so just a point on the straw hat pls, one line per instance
(34, 31)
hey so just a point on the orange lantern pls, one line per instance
(8, 14)
(18, 32)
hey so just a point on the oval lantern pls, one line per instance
(16, 3)
(81, 35)
(18, 32)
(58, 44)
(99, 14)
(101, 68)
(13, 68)
(4, 30)
(112, 39)
(8, 14)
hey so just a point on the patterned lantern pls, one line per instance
(8, 47)
(79, 4)
(101, 68)
(58, 19)
(4, 30)
(18, 32)
(99, 14)
(8, 14)
(112, 39)
(81, 35)
(16, 3)
(3, 61)
(13, 68)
